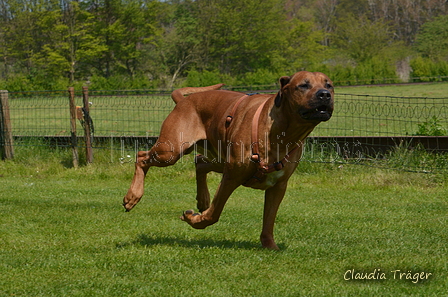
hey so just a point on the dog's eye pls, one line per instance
(304, 86)
(328, 86)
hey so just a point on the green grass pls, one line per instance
(403, 156)
(64, 233)
(431, 90)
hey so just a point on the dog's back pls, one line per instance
(178, 95)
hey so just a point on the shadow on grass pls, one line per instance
(146, 240)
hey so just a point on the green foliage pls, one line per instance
(432, 127)
(414, 159)
(432, 45)
(421, 67)
(242, 36)
(425, 69)
(15, 83)
(126, 28)
(252, 41)
(122, 82)
(179, 49)
(340, 73)
(372, 71)
(303, 48)
(260, 77)
(362, 39)
(206, 78)
(432, 40)
(36, 81)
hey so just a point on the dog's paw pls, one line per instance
(194, 219)
(269, 243)
(187, 213)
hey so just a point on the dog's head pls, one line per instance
(310, 94)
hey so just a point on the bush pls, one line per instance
(206, 78)
(340, 74)
(35, 82)
(426, 69)
(421, 67)
(122, 82)
(431, 128)
(261, 77)
(375, 70)
(16, 83)
(372, 71)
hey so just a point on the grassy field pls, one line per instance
(372, 115)
(431, 90)
(64, 233)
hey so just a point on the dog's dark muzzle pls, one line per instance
(321, 107)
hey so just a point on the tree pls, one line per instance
(19, 50)
(362, 39)
(123, 27)
(157, 42)
(306, 48)
(179, 47)
(242, 36)
(406, 16)
(325, 16)
(69, 44)
(432, 39)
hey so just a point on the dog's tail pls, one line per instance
(179, 94)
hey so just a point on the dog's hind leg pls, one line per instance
(203, 167)
(179, 133)
(161, 155)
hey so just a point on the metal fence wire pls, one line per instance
(364, 115)
(126, 121)
(117, 114)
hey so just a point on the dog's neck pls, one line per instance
(287, 125)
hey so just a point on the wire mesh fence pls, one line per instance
(363, 128)
(117, 114)
(364, 115)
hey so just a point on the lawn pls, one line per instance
(430, 90)
(64, 233)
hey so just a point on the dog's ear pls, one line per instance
(278, 99)
(284, 80)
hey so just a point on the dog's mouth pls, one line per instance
(320, 113)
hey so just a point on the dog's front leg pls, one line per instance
(212, 214)
(273, 198)
(203, 167)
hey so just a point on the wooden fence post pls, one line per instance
(87, 125)
(74, 139)
(6, 140)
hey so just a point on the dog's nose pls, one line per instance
(323, 95)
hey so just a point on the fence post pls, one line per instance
(74, 139)
(6, 141)
(87, 125)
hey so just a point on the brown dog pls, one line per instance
(255, 141)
